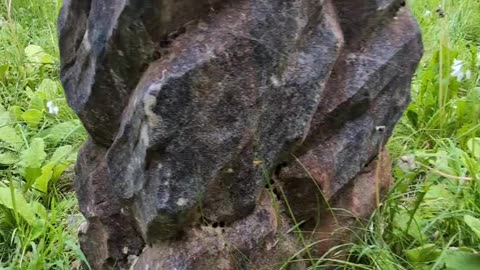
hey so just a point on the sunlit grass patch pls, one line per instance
(39, 138)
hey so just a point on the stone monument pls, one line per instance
(223, 133)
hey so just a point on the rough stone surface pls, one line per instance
(209, 120)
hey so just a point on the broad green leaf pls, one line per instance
(39, 209)
(36, 103)
(22, 208)
(38, 229)
(400, 223)
(9, 135)
(473, 223)
(425, 253)
(62, 131)
(28, 91)
(46, 59)
(461, 260)
(439, 197)
(441, 163)
(36, 54)
(16, 112)
(32, 117)
(61, 154)
(60, 169)
(34, 156)
(48, 89)
(33, 50)
(8, 158)
(64, 157)
(474, 147)
(41, 182)
(31, 175)
(55, 167)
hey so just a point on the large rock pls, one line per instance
(218, 126)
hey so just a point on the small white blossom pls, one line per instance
(468, 74)
(427, 13)
(478, 59)
(52, 108)
(457, 70)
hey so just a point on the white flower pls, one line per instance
(468, 74)
(457, 70)
(52, 108)
(478, 59)
(427, 13)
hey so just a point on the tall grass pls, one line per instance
(38, 212)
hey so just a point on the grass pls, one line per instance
(430, 219)
(38, 211)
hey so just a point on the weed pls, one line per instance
(38, 143)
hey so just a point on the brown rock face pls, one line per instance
(218, 126)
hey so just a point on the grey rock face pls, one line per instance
(198, 110)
